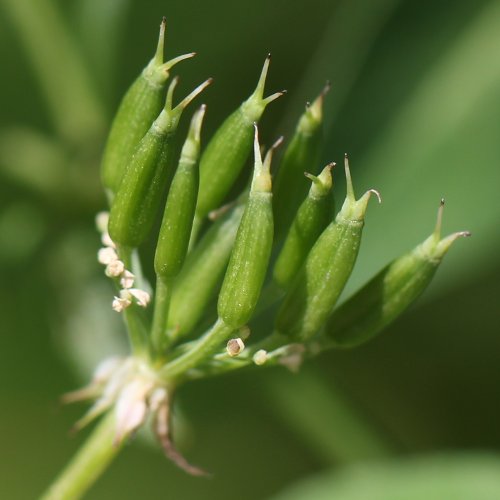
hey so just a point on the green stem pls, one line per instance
(136, 325)
(162, 302)
(88, 464)
(206, 346)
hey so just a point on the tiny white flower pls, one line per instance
(142, 297)
(121, 303)
(127, 280)
(260, 357)
(234, 347)
(101, 221)
(115, 268)
(107, 241)
(106, 255)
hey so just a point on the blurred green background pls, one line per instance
(416, 103)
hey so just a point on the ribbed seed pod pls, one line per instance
(389, 293)
(312, 218)
(302, 154)
(316, 289)
(203, 271)
(137, 201)
(228, 150)
(177, 220)
(250, 256)
(138, 109)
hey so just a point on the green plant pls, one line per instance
(240, 245)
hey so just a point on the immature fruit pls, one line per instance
(389, 293)
(310, 221)
(228, 150)
(302, 154)
(178, 217)
(138, 109)
(137, 201)
(328, 266)
(250, 256)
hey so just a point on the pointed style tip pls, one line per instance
(197, 91)
(326, 88)
(278, 142)
(164, 20)
(268, 57)
(442, 202)
(331, 166)
(377, 194)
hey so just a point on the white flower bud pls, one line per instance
(107, 241)
(142, 297)
(106, 255)
(114, 269)
(122, 302)
(260, 357)
(101, 221)
(127, 280)
(234, 347)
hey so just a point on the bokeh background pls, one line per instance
(415, 101)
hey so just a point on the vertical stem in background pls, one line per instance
(88, 464)
(324, 418)
(58, 65)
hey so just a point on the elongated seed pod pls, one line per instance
(138, 109)
(137, 200)
(389, 293)
(250, 256)
(203, 271)
(228, 150)
(177, 220)
(302, 154)
(312, 218)
(328, 266)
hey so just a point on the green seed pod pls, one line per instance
(250, 256)
(389, 293)
(312, 218)
(302, 154)
(203, 271)
(181, 202)
(228, 150)
(137, 201)
(328, 266)
(138, 109)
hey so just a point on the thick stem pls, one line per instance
(88, 464)
(205, 347)
(162, 302)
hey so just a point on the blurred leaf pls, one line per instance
(324, 418)
(59, 68)
(441, 477)
(429, 150)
